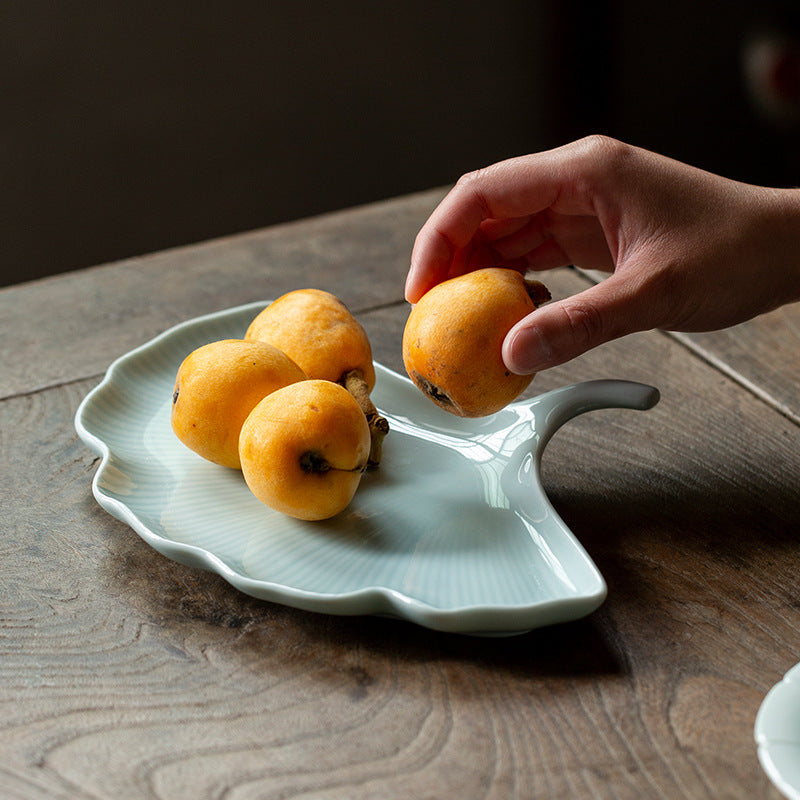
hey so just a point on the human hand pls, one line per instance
(688, 250)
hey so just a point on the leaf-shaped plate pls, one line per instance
(453, 531)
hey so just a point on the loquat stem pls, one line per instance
(537, 292)
(378, 426)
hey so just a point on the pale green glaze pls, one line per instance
(453, 531)
(777, 733)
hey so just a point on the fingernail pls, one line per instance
(527, 351)
(410, 288)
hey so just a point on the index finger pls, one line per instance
(513, 188)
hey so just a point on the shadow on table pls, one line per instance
(695, 559)
(739, 519)
(184, 599)
(672, 551)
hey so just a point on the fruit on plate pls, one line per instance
(217, 386)
(453, 338)
(316, 330)
(304, 448)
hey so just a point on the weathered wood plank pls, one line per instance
(762, 354)
(73, 326)
(123, 674)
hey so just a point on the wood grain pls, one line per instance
(73, 326)
(125, 675)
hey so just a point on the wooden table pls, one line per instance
(125, 675)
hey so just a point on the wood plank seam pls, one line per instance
(378, 307)
(98, 376)
(736, 377)
(48, 387)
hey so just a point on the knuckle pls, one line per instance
(597, 164)
(601, 156)
(472, 184)
(469, 178)
(584, 321)
(598, 145)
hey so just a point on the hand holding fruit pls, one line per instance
(689, 250)
(454, 335)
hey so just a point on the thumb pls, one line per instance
(564, 330)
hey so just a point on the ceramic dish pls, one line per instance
(777, 733)
(453, 531)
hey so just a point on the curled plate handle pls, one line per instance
(561, 405)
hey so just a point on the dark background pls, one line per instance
(130, 127)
